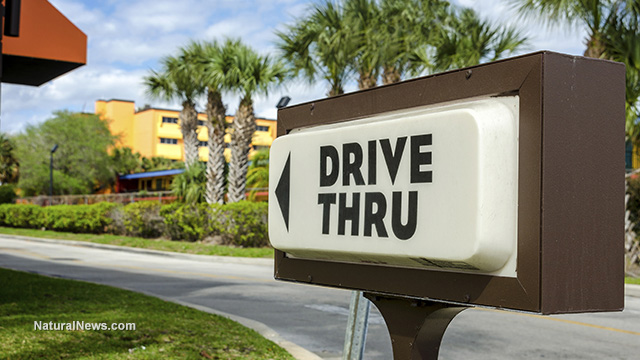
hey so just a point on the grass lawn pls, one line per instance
(630, 280)
(163, 329)
(154, 244)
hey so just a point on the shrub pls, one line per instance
(241, 224)
(93, 218)
(21, 216)
(188, 222)
(4, 210)
(244, 224)
(143, 219)
(7, 194)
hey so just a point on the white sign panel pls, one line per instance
(430, 187)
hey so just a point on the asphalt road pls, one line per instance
(314, 318)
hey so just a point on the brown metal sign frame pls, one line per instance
(570, 186)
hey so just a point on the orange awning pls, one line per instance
(49, 45)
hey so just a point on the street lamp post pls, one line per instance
(55, 147)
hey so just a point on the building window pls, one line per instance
(169, 120)
(200, 122)
(168, 141)
(203, 143)
(262, 128)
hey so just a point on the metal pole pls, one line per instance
(416, 326)
(51, 177)
(357, 325)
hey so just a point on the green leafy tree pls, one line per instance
(7, 194)
(257, 74)
(179, 80)
(8, 162)
(125, 161)
(81, 164)
(157, 163)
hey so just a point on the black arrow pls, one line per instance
(283, 191)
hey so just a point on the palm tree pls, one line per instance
(466, 40)
(256, 75)
(178, 80)
(189, 187)
(214, 62)
(364, 18)
(612, 33)
(321, 44)
(595, 15)
(8, 161)
(258, 174)
(621, 41)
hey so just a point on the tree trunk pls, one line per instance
(595, 47)
(391, 75)
(366, 81)
(335, 90)
(216, 126)
(244, 125)
(631, 244)
(189, 128)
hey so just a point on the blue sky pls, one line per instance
(126, 38)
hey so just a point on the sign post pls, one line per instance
(500, 185)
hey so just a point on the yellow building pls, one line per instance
(155, 132)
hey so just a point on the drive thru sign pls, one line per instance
(394, 189)
(500, 185)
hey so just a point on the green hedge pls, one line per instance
(22, 216)
(72, 218)
(78, 218)
(189, 222)
(242, 224)
(143, 219)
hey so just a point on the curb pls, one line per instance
(202, 258)
(296, 351)
(632, 290)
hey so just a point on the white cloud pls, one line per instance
(127, 37)
(237, 27)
